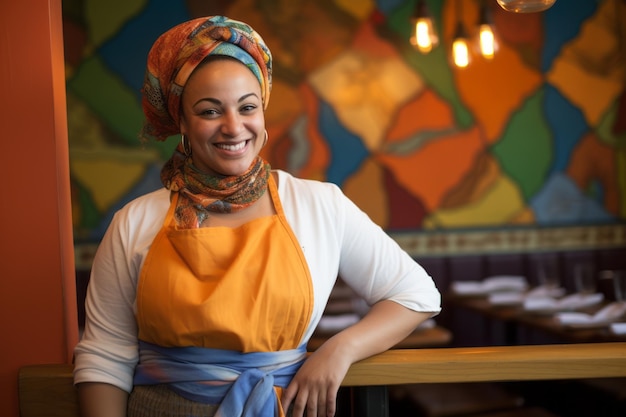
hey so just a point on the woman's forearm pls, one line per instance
(99, 400)
(386, 324)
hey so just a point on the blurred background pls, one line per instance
(529, 136)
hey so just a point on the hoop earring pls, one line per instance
(185, 145)
(265, 141)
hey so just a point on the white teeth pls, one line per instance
(232, 148)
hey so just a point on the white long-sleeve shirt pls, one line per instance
(336, 237)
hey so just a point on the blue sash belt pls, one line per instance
(242, 383)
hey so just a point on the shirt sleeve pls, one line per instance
(107, 351)
(339, 240)
(377, 268)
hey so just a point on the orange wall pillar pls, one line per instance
(38, 320)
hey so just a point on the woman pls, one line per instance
(203, 294)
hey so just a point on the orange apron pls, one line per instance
(245, 289)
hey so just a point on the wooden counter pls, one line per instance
(48, 390)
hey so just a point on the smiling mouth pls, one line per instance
(232, 147)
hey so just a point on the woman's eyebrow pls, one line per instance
(245, 96)
(218, 102)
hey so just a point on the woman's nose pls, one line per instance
(232, 124)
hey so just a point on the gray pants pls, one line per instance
(160, 401)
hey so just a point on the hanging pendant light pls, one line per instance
(424, 36)
(526, 6)
(460, 44)
(487, 41)
(460, 47)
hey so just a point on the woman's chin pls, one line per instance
(231, 170)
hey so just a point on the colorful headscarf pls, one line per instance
(177, 52)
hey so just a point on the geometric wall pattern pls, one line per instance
(534, 138)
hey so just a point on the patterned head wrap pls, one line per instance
(177, 52)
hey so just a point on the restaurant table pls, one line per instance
(515, 320)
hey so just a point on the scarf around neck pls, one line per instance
(201, 193)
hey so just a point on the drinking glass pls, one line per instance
(584, 278)
(619, 285)
(548, 274)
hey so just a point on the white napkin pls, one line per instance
(618, 328)
(516, 298)
(467, 287)
(611, 312)
(577, 301)
(427, 324)
(506, 298)
(510, 283)
(334, 323)
(570, 302)
(545, 291)
(540, 304)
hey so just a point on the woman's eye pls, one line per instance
(208, 112)
(248, 108)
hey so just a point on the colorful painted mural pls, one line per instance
(534, 137)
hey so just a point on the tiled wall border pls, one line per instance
(446, 243)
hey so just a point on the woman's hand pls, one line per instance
(314, 387)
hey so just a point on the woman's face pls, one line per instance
(223, 117)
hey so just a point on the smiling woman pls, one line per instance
(209, 289)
